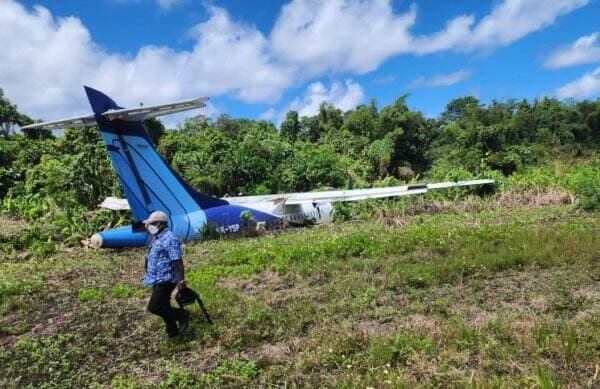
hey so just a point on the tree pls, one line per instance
(83, 151)
(290, 127)
(155, 129)
(311, 167)
(10, 117)
(310, 129)
(462, 108)
(411, 133)
(361, 121)
(330, 117)
(380, 154)
(555, 116)
(227, 125)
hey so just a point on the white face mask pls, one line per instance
(152, 229)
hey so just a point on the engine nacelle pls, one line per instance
(120, 237)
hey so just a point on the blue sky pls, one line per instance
(258, 59)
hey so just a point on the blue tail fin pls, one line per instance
(146, 179)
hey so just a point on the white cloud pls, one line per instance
(43, 59)
(345, 96)
(508, 21)
(234, 57)
(584, 50)
(164, 4)
(440, 79)
(47, 60)
(357, 36)
(167, 4)
(341, 35)
(587, 85)
(269, 114)
(514, 19)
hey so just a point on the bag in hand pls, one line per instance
(187, 296)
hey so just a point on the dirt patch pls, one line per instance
(269, 354)
(591, 294)
(11, 227)
(423, 323)
(375, 328)
(510, 200)
(522, 329)
(268, 286)
(51, 326)
(258, 284)
(264, 281)
(480, 318)
(539, 303)
(414, 322)
(531, 198)
(208, 359)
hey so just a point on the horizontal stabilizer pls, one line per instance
(142, 113)
(127, 114)
(80, 121)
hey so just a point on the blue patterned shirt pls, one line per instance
(164, 250)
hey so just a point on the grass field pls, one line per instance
(479, 299)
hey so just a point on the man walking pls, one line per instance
(165, 273)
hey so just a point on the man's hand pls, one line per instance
(180, 286)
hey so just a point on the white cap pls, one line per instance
(157, 216)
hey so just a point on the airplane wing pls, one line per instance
(327, 196)
(352, 194)
(127, 114)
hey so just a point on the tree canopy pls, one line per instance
(363, 146)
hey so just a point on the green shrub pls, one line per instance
(90, 294)
(584, 181)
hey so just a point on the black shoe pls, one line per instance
(185, 322)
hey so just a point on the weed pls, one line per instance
(17, 280)
(37, 361)
(178, 379)
(545, 379)
(122, 291)
(467, 338)
(236, 371)
(569, 342)
(120, 382)
(499, 330)
(400, 349)
(90, 294)
(541, 336)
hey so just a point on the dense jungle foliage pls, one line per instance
(56, 182)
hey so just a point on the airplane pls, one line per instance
(149, 184)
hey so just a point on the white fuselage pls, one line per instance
(317, 213)
(297, 214)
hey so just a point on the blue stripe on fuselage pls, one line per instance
(229, 216)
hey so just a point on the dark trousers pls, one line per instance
(160, 304)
